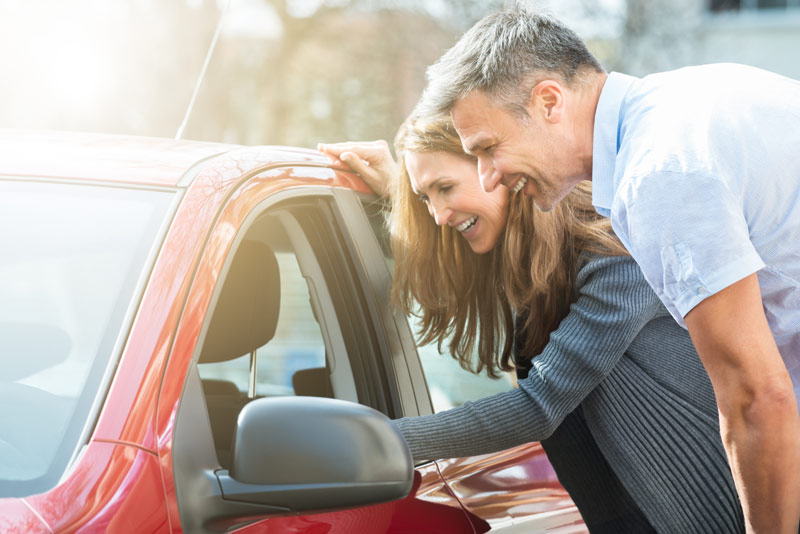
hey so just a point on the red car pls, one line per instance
(197, 337)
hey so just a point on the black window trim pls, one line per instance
(401, 355)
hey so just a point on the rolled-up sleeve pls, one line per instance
(688, 233)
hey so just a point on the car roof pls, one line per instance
(147, 161)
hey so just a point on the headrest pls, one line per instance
(313, 382)
(248, 306)
(223, 388)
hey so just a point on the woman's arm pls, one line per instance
(614, 303)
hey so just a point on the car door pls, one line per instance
(291, 256)
(515, 490)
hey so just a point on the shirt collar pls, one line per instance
(606, 139)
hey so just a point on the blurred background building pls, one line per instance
(299, 72)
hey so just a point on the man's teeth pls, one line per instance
(518, 187)
(466, 225)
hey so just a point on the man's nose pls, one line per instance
(489, 176)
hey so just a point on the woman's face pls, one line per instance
(449, 186)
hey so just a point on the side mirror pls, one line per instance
(307, 453)
(304, 454)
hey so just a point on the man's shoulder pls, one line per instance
(689, 120)
(665, 122)
(701, 93)
(710, 76)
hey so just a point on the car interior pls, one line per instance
(244, 319)
(290, 316)
(243, 327)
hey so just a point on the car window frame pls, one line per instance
(401, 355)
(338, 213)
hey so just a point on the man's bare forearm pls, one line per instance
(759, 419)
(762, 440)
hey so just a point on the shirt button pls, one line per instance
(701, 291)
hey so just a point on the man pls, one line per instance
(699, 170)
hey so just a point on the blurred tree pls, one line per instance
(353, 69)
(639, 37)
(338, 70)
(318, 70)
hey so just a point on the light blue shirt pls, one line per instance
(699, 170)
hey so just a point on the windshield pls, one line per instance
(70, 259)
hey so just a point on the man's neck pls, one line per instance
(588, 97)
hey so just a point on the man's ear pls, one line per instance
(547, 100)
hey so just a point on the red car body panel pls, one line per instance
(123, 481)
(430, 507)
(17, 517)
(99, 157)
(485, 485)
(114, 488)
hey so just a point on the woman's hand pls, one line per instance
(372, 160)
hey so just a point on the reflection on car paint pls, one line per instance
(511, 488)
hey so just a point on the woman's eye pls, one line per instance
(445, 188)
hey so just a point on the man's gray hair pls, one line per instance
(504, 55)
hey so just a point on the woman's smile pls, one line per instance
(467, 225)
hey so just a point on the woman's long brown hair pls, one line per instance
(465, 299)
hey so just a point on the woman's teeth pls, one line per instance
(466, 225)
(519, 185)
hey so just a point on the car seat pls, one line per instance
(245, 318)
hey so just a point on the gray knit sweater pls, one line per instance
(647, 400)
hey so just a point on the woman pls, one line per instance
(610, 384)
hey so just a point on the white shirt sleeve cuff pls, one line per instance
(746, 265)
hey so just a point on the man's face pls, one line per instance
(529, 154)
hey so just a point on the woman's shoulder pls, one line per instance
(590, 264)
(615, 279)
